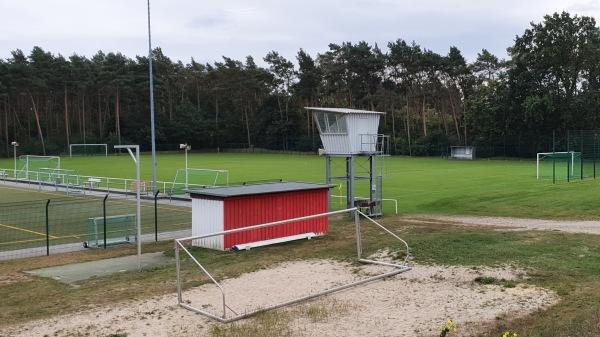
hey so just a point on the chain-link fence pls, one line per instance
(57, 225)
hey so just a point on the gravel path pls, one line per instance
(580, 226)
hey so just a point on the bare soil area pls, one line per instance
(413, 303)
(579, 226)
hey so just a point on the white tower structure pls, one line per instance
(351, 141)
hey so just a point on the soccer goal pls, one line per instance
(119, 229)
(29, 166)
(237, 309)
(63, 180)
(198, 178)
(88, 150)
(558, 165)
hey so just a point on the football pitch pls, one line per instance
(419, 185)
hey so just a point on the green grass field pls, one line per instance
(566, 263)
(429, 185)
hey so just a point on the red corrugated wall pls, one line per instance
(252, 210)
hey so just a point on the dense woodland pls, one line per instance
(550, 83)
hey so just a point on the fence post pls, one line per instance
(104, 218)
(156, 215)
(47, 229)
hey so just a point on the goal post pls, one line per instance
(88, 150)
(557, 165)
(198, 178)
(30, 165)
(119, 229)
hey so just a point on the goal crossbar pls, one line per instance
(198, 178)
(180, 245)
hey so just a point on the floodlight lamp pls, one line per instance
(182, 146)
(14, 144)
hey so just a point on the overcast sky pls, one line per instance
(208, 30)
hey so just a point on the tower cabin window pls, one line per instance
(330, 123)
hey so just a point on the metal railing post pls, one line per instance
(358, 236)
(47, 229)
(104, 218)
(178, 267)
(156, 215)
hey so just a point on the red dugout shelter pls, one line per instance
(224, 208)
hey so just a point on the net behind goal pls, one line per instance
(559, 165)
(88, 150)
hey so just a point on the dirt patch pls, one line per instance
(13, 278)
(581, 226)
(414, 303)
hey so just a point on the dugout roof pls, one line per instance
(255, 189)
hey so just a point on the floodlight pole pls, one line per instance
(136, 160)
(15, 144)
(186, 147)
(153, 136)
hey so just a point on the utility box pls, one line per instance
(225, 208)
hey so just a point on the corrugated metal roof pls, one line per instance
(266, 188)
(345, 111)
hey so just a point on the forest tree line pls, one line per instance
(549, 83)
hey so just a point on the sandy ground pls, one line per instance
(413, 303)
(581, 226)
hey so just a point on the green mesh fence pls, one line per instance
(587, 142)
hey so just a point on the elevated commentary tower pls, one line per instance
(355, 154)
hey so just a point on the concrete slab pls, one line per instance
(81, 271)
